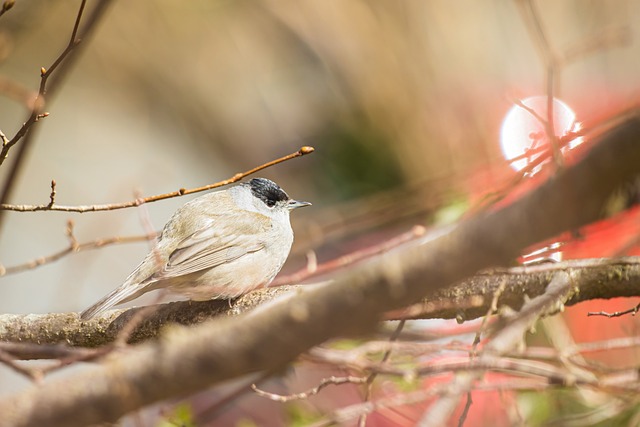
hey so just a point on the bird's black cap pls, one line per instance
(267, 191)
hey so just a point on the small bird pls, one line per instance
(217, 246)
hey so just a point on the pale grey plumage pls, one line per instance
(219, 245)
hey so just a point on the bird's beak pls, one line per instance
(295, 204)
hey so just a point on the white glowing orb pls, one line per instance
(523, 133)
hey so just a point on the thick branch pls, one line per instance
(190, 359)
(468, 299)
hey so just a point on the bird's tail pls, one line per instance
(124, 293)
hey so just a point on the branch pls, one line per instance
(137, 202)
(468, 299)
(6, 6)
(45, 74)
(472, 298)
(55, 328)
(310, 392)
(73, 247)
(187, 360)
(63, 64)
(504, 340)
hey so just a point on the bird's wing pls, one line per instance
(214, 245)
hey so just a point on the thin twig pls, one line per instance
(63, 65)
(529, 110)
(539, 362)
(137, 202)
(465, 410)
(345, 414)
(33, 351)
(44, 76)
(52, 196)
(8, 361)
(85, 355)
(476, 341)
(593, 128)
(485, 320)
(8, 4)
(362, 421)
(71, 249)
(551, 60)
(333, 380)
(631, 311)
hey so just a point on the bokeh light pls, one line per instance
(523, 133)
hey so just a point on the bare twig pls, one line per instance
(33, 351)
(137, 202)
(84, 355)
(531, 16)
(52, 196)
(333, 380)
(533, 362)
(45, 74)
(632, 311)
(553, 62)
(465, 410)
(591, 128)
(8, 361)
(63, 65)
(6, 5)
(485, 320)
(531, 111)
(11, 352)
(372, 377)
(343, 415)
(73, 247)
(502, 341)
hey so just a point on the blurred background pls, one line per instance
(403, 102)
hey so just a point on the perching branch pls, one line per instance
(468, 299)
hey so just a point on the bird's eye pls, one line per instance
(271, 203)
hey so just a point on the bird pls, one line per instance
(217, 246)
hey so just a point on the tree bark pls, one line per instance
(469, 299)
